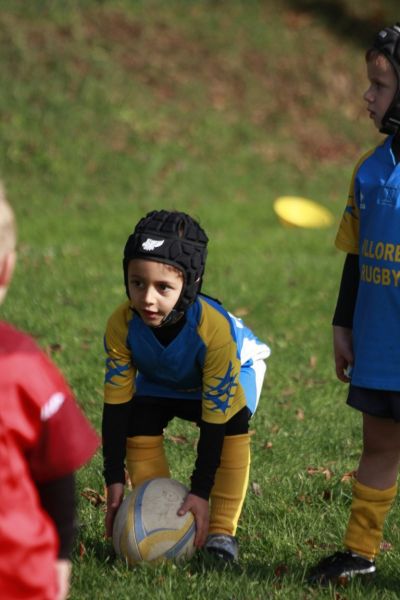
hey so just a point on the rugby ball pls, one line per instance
(147, 527)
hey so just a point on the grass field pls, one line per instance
(112, 108)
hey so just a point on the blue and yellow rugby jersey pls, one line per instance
(370, 228)
(215, 358)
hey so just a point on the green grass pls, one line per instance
(112, 108)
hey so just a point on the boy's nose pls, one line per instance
(367, 96)
(148, 296)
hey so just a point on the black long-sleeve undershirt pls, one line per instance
(114, 432)
(58, 500)
(346, 302)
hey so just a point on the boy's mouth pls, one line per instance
(150, 314)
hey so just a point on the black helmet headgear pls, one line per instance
(387, 42)
(173, 238)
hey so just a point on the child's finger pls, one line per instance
(183, 509)
(201, 532)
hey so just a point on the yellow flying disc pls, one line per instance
(300, 212)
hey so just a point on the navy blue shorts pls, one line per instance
(150, 415)
(377, 403)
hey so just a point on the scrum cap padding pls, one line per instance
(173, 238)
(387, 42)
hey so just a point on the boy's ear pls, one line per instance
(7, 268)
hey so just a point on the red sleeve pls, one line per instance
(66, 439)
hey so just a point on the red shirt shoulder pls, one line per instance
(39, 409)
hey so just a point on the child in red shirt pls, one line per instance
(44, 438)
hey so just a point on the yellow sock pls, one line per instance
(145, 458)
(231, 480)
(368, 512)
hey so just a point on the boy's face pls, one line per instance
(154, 289)
(382, 87)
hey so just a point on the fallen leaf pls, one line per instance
(281, 570)
(348, 476)
(52, 348)
(93, 496)
(256, 488)
(313, 470)
(82, 550)
(267, 446)
(288, 392)
(177, 439)
(322, 470)
(300, 414)
(241, 312)
(341, 581)
(303, 498)
(320, 546)
(385, 546)
(313, 362)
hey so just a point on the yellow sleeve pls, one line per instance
(347, 237)
(119, 384)
(223, 396)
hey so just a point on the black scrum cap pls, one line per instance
(173, 238)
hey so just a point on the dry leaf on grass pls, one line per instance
(256, 488)
(385, 546)
(349, 476)
(281, 570)
(177, 439)
(303, 498)
(241, 312)
(323, 470)
(93, 496)
(52, 348)
(288, 392)
(82, 550)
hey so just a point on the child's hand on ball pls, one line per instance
(199, 507)
(115, 495)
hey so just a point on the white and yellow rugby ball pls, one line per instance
(147, 527)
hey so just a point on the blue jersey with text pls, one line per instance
(370, 227)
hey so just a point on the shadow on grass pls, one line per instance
(343, 22)
(259, 570)
(100, 549)
(277, 575)
(292, 572)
